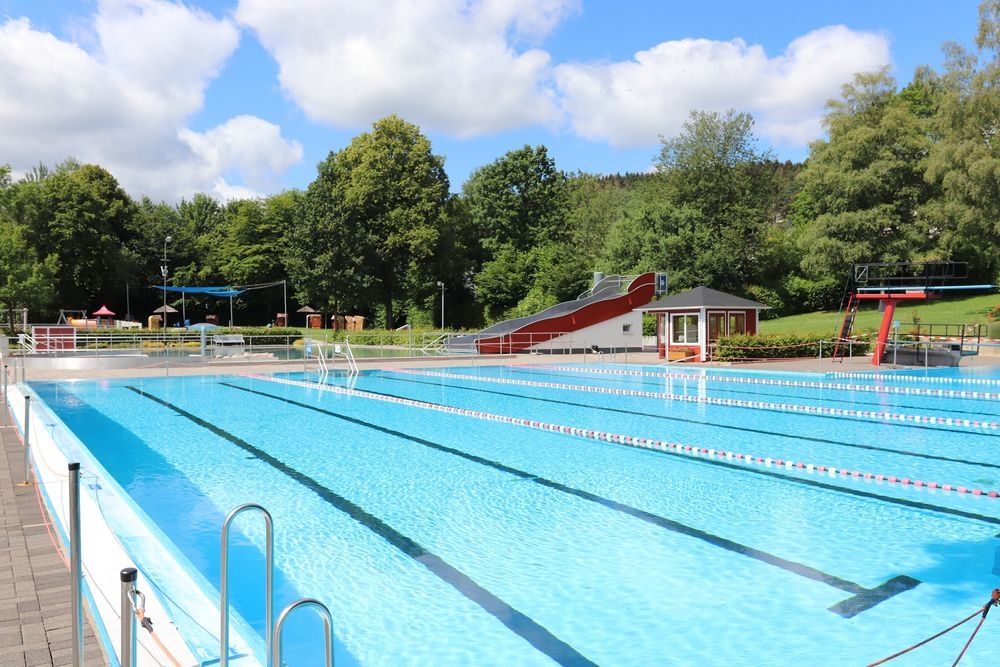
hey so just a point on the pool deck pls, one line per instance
(34, 582)
(35, 625)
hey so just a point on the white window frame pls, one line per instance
(679, 332)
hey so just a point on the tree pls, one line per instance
(723, 195)
(321, 257)
(965, 162)
(518, 206)
(25, 281)
(863, 188)
(519, 199)
(81, 214)
(372, 221)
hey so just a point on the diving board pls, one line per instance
(890, 283)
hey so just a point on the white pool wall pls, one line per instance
(102, 502)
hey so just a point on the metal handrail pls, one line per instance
(224, 584)
(348, 354)
(320, 355)
(276, 652)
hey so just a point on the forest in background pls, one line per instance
(906, 173)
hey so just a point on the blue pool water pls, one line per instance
(444, 522)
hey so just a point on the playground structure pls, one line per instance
(890, 283)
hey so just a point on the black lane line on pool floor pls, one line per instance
(822, 441)
(516, 621)
(915, 504)
(863, 598)
(645, 382)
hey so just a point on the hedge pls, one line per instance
(261, 335)
(778, 346)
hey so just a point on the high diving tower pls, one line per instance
(890, 283)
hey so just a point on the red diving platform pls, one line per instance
(891, 283)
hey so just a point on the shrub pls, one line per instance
(776, 346)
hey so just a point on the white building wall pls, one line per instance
(624, 331)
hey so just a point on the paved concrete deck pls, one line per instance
(35, 626)
(34, 582)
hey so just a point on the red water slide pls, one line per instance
(568, 319)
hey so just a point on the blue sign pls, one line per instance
(661, 283)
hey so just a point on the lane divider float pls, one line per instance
(885, 377)
(634, 441)
(956, 422)
(807, 384)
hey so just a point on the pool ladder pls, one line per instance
(272, 630)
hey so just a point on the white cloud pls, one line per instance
(632, 103)
(251, 146)
(447, 65)
(125, 101)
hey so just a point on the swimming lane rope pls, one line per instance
(899, 377)
(808, 384)
(630, 440)
(958, 422)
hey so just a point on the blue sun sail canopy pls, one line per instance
(208, 291)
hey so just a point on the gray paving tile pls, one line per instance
(34, 584)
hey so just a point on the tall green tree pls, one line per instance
(862, 189)
(372, 221)
(519, 199)
(518, 206)
(79, 213)
(722, 192)
(965, 161)
(26, 281)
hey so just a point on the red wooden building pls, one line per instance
(689, 323)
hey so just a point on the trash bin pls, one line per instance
(212, 319)
(349, 319)
(281, 320)
(315, 321)
(359, 322)
(154, 321)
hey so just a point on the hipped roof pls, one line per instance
(702, 297)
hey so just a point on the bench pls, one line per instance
(227, 344)
(228, 339)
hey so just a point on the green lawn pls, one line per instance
(948, 310)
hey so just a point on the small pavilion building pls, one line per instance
(689, 323)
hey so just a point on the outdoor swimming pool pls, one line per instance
(612, 515)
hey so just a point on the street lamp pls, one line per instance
(163, 270)
(441, 285)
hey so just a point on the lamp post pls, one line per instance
(163, 270)
(441, 285)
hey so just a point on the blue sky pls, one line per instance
(245, 97)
